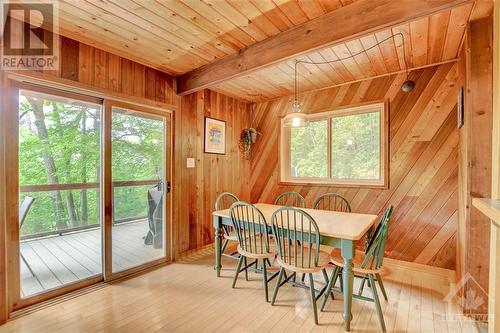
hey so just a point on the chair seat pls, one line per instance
(260, 252)
(337, 260)
(301, 266)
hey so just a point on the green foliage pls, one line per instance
(355, 148)
(309, 150)
(137, 147)
(72, 142)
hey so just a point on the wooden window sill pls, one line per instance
(332, 184)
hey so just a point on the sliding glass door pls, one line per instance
(59, 190)
(89, 193)
(139, 188)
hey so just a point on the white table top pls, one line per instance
(351, 226)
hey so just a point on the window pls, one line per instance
(344, 147)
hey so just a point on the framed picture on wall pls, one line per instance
(460, 108)
(215, 136)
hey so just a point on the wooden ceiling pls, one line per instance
(178, 36)
(431, 40)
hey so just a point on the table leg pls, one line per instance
(218, 241)
(348, 279)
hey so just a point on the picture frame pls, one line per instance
(460, 108)
(215, 136)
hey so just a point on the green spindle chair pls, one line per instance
(224, 201)
(333, 202)
(254, 241)
(290, 199)
(369, 267)
(369, 242)
(297, 240)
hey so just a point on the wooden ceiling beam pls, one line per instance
(353, 21)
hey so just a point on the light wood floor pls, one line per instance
(187, 297)
(61, 260)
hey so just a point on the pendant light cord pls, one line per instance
(308, 62)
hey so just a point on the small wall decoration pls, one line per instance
(215, 136)
(460, 108)
(247, 138)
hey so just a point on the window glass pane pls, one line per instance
(356, 146)
(59, 178)
(308, 148)
(138, 163)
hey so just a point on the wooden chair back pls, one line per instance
(332, 202)
(225, 200)
(297, 237)
(375, 252)
(290, 199)
(251, 227)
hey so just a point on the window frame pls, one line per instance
(328, 114)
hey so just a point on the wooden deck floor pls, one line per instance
(61, 260)
(187, 297)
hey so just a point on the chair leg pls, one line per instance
(330, 285)
(246, 270)
(313, 298)
(377, 302)
(362, 286)
(264, 271)
(381, 284)
(224, 245)
(302, 279)
(240, 261)
(325, 276)
(268, 262)
(275, 293)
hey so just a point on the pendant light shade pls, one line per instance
(295, 118)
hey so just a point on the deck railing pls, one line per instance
(81, 186)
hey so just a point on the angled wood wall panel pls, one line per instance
(423, 160)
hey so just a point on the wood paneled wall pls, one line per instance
(108, 72)
(476, 74)
(423, 160)
(213, 174)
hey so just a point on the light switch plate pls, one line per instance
(190, 163)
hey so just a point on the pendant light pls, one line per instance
(296, 118)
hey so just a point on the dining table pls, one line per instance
(337, 229)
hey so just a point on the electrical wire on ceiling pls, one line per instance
(296, 118)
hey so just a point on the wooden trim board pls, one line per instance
(87, 89)
(489, 207)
